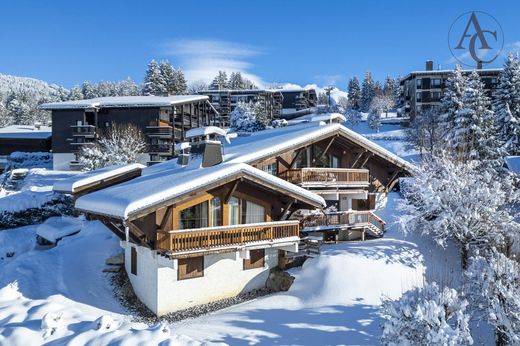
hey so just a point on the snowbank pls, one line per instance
(55, 228)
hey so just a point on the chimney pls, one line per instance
(429, 65)
(205, 143)
(184, 153)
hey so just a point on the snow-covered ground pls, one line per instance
(334, 299)
(61, 295)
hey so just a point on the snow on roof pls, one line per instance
(148, 190)
(125, 101)
(74, 183)
(326, 117)
(268, 143)
(55, 228)
(26, 132)
(513, 163)
(204, 131)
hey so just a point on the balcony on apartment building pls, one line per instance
(199, 240)
(163, 148)
(87, 131)
(309, 177)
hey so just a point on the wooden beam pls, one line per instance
(366, 160)
(285, 213)
(357, 158)
(141, 236)
(230, 192)
(293, 161)
(166, 217)
(285, 163)
(324, 151)
(393, 180)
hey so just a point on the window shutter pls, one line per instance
(133, 261)
(256, 259)
(192, 267)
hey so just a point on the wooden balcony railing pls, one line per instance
(223, 236)
(326, 176)
(347, 218)
(159, 131)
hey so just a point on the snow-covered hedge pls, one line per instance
(57, 206)
(20, 159)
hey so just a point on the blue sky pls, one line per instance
(325, 42)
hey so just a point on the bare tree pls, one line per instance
(120, 144)
(424, 132)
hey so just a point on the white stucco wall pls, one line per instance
(61, 161)
(156, 283)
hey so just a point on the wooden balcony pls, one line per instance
(225, 236)
(311, 176)
(347, 219)
(159, 131)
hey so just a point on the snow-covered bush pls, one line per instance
(58, 205)
(462, 202)
(121, 144)
(494, 283)
(353, 117)
(29, 160)
(427, 316)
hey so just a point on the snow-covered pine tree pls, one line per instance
(75, 93)
(243, 118)
(462, 202)
(451, 104)
(120, 144)
(389, 88)
(88, 90)
(168, 77)
(106, 89)
(378, 89)
(263, 119)
(197, 86)
(154, 83)
(367, 92)
(127, 87)
(181, 85)
(354, 94)
(220, 81)
(473, 133)
(19, 111)
(235, 81)
(507, 105)
(494, 283)
(427, 316)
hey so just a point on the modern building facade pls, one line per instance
(278, 103)
(421, 90)
(164, 121)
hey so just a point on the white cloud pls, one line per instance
(202, 59)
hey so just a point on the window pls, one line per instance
(252, 212)
(436, 83)
(418, 83)
(216, 212)
(334, 161)
(418, 96)
(189, 268)
(256, 259)
(194, 217)
(436, 96)
(271, 169)
(79, 122)
(133, 260)
(233, 211)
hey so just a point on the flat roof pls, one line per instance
(125, 102)
(442, 72)
(26, 132)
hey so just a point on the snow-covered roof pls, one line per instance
(75, 183)
(125, 101)
(326, 117)
(57, 227)
(26, 132)
(269, 143)
(148, 190)
(513, 163)
(204, 131)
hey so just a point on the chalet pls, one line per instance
(24, 138)
(214, 222)
(164, 121)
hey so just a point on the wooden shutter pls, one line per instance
(256, 259)
(133, 261)
(189, 268)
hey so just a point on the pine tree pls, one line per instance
(367, 92)
(451, 104)
(127, 87)
(354, 94)
(235, 81)
(168, 76)
(181, 86)
(263, 119)
(88, 90)
(473, 132)
(220, 81)
(507, 105)
(154, 83)
(389, 89)
(75, 93)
